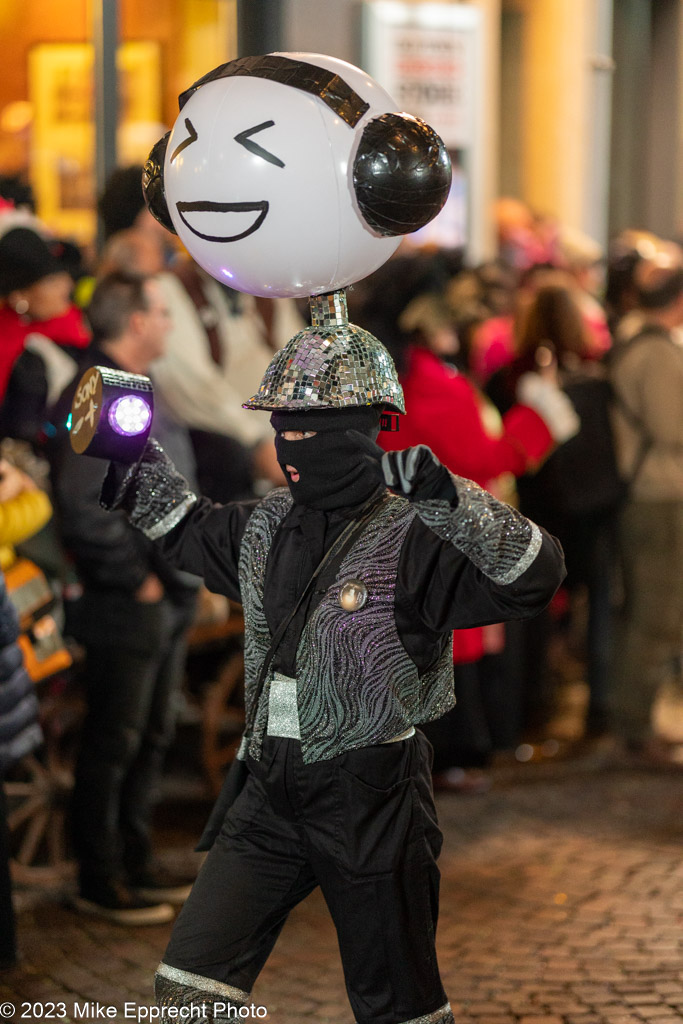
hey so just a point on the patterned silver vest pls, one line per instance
(356, 684)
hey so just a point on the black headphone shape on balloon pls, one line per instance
(401, 171)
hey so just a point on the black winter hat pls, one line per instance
(26, 257)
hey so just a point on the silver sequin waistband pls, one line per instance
(283, 711)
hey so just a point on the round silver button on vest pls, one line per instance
(353, 595)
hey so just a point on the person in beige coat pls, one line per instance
(647, 379)
(219, 346)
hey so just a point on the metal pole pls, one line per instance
(597, 170)
(259, 27)
(105, 32)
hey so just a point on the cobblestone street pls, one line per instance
(562, 903)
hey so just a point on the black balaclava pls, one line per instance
(334, 470)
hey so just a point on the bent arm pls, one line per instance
(192, 533)
(476, 560)
(496, 538)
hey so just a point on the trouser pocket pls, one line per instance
(378, 812)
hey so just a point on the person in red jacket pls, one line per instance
(41, 331)
(445, 411)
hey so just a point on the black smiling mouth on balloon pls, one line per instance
(224, 208)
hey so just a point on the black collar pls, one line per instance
(297, 512)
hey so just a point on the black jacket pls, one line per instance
(19, 729)
(438, 588)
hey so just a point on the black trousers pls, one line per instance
(363, 827)
(135, 657)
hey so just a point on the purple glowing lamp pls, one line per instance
(111, 414)
(130, 415)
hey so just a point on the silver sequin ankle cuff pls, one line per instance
(202, 985)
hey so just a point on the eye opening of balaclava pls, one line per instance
(334, 472)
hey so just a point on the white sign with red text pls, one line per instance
(426, 56)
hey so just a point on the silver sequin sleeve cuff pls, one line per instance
(154, 495)
(498, 539)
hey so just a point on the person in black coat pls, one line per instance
(20, 733)
(575, 494)
(132, 621)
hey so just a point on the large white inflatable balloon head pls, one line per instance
(290, 174)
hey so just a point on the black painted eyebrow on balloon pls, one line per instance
(320, 82)
(186, 142)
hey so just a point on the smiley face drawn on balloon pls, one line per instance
(187, 209)
(268, 179)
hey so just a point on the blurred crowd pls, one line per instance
(552, 375)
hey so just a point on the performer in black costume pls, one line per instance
(338, 791)
(305, 155)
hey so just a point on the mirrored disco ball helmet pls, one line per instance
(330, 365)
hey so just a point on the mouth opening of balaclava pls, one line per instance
(334, 471)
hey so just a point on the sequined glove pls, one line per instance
(153, 494)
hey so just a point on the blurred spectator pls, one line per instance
(16, 190)
(377, 301)
(625, 252)
(218, 348)
(584, 261)
(647, 377)
(496, 341)
(132, 621)
(42, 335)
(122, 206)
(574, 494)
(24, 509)
(583, 257)
(443, 407)
(216, 352)
(446, 412)
(485, 291)
(132, 250)
(524, 237)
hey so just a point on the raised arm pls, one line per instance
(468, 559)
